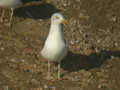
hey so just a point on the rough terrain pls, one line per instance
(93, 39)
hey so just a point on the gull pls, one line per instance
(11, 4)
(54, 48)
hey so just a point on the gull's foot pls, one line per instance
(59, 78)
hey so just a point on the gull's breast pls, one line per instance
(54, 51)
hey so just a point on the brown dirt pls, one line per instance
(93, 40)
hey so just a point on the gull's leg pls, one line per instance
(59, 73)
(2, 16)
(48, 69)
(11, 17)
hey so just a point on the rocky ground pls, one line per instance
(93, 39)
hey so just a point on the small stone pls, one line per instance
(112, 57)
(2, 48)
(45, 86)
(114, 19)
(72, 42)
(35, 82)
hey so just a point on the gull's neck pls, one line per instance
(55, 31)
(55, 28)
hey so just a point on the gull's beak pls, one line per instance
(64, 22)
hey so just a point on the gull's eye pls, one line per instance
(57, 17)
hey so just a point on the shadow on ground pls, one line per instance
(41, 11)
(75, 62)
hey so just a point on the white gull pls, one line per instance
(54, 49)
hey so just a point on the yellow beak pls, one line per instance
(65, 22)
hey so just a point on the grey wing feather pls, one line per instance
(44, 42)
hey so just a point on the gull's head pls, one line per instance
(57, 18)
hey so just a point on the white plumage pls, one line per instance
(54, 48)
